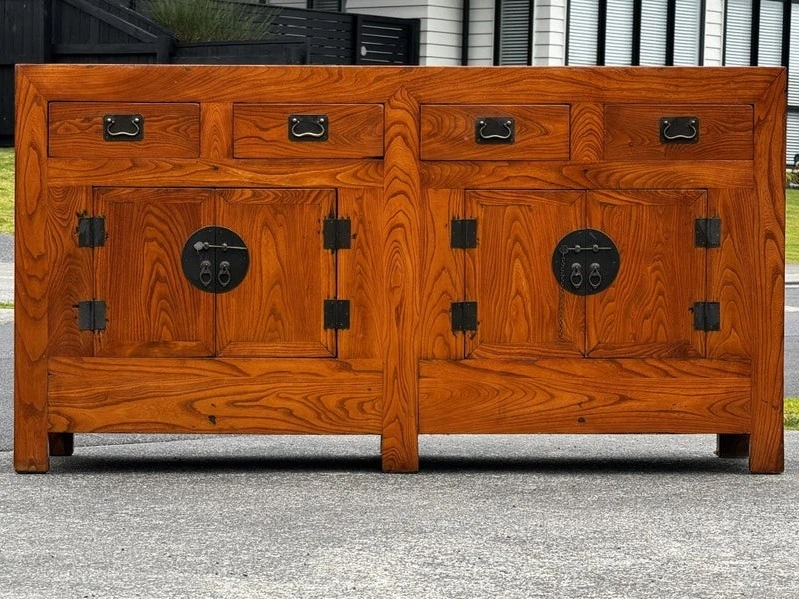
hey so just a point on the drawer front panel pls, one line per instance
(633, 132)
(80, 130)
(346, 131)
(539, 132)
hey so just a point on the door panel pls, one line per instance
(152, 309)
(278, 309)
(646, 311)
(522, 311)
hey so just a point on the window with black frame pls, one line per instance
(635, 32)
(758, 33)
(513, 22)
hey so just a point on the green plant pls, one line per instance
(211, 20)
(792, 226)
(792, 413)
(7, 191)
(791, 179)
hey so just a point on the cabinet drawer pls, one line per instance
(308, 130)
(107, 130)
(635, 132)
(481, 132)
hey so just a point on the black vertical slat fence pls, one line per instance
(112, 31)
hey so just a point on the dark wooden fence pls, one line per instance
(112, 31)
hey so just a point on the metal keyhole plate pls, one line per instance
(215, 259)
(585, 262)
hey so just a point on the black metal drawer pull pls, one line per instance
(123, 127)
(308, 127)
(498, 130)
(679, 129)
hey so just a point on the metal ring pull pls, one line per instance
(111, 121)
(319, 122)
(667, 124)
(206, 276)
(223, 277)
(577, 275)
(482, 124)
(594, 276)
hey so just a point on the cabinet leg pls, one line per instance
(30, 446)
(398, 454)
(732, 446)
(767, 454)
(61, 444)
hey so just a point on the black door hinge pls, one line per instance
(91, 315)
(91, 231)
(707, 316)
(708, 232)
(463, 233)
(337, 314)
(337, 233)
(464, 316)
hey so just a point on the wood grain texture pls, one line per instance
(278, 309)
(401, 222)
(73, 280)
(632, 132)
(33, 269)
(442, 271)
(360, 274)
(522, 311)
(645, 313)
(151, 307)
(730, 272)
(262, 131)
(216, 130)
(587, 132)
(605, 175)
(766, 451)
(444, 85)
(630, 396)
(170, 130)
(541, 132)
(218, 173)
(214, 396)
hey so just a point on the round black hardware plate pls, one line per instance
(215, 259)
(585, 262)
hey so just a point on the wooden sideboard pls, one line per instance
(399, 251)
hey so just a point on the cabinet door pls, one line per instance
(278, 309)
(646, 311)
(522, 311)
(152, 309)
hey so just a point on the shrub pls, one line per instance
(211, 20)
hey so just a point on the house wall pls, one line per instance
(549, 32)
(481, 33)
(714, 32)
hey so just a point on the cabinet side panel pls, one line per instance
(401, 222)
(442, 274)
(360, 272)
(766, 451)
(33, 268)
(73, 280)
(730, 272)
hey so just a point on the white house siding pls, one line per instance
(549, 32)
(714, 32)
(481, 33)
(440, 35)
